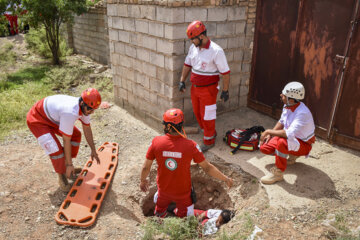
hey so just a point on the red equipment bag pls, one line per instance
(248, 138)
(233, 137)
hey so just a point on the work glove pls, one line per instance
(224, 95)
(181, 86)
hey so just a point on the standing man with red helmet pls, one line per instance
(173, 153)
(56, 115)
(207, 61)
(292, 136)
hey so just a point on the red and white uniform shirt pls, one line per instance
(206, 63)
(298, 123)
(174, 155)
(63, 111)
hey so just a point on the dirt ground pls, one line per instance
(319, 198)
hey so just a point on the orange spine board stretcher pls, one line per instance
(84, 199)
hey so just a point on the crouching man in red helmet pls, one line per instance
(173, 153)
(292, 136)
(207, 61)
(56, 115)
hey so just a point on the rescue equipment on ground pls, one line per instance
(244, 139)
(82, 204)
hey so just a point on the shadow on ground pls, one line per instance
(310, 182)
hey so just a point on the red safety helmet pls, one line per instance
(91, 97)
(174, 116)
(195, 29)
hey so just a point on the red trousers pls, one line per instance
(163, 202)
(45, 131)
(197, 212)
(13, 23)
(278, 146)
(204, 106)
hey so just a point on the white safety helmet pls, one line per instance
(294, 90)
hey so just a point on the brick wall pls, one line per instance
(89, 35)
(148, 46)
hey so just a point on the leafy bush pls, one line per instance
(53, 13)
(174, 228)
(37, 43)
(3, 26)
(92, 2)
(64, 78)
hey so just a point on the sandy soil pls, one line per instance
(319, 198)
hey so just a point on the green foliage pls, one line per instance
(23, 76)
(58, 11)
(174, 228)
(3, 26)
(11, 6)
(64, 78)
(36, 42)
(341, 224)
(7, 55)
(3, 5)
(18, 92)
(52, 13)
(92, 2)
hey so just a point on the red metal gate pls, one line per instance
(346, 127)
(300, 41)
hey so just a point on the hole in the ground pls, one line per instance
(210, 192)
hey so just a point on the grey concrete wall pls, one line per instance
(89, 35)
(148, 46)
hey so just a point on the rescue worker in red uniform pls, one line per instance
(292, 136)
(56, 115)
(173, 153)
(207, 61)
(13, 23)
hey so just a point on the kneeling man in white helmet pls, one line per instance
(292, 136)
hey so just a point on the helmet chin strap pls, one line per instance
(287, 102)
(169, 126)
(182, 128)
